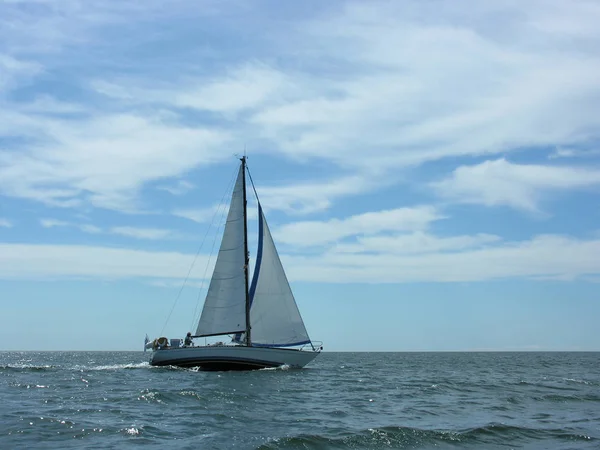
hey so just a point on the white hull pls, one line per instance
(231, 357)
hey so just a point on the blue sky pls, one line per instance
(430, 170)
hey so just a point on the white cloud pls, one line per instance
(309, 233)
(50, 223)
(560, 152)
(5, 223)
(173, 283)
(415, 243)
(245, 88)
(521, 186)
(239, 89)
(86, 228)
(142, 233)
(552, 257)
(50, 105)
(543, 257)
(180, 188)
(313, 196)
(49, 27)
(295, 199)
(414, 84)
(51, 261)
(14, 71)
(137, 233)
(115, 90)
(421, 84)
(105, 160)
(201, 215)
(370, 86)
(92, 229)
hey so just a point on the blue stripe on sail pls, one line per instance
(238, 336)
(281, 345)
(258, 255)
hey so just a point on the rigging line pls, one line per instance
(223, 209)
(191, 267)
(252, 182)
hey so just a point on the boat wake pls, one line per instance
(282, 367)
(27, 367)
(142, 365)
(77, 367)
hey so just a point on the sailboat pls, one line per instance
(261, 316)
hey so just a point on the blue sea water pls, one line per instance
(340, 401)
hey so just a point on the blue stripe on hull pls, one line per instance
(217, 363)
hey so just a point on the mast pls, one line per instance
(247, 256)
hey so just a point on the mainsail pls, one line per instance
(274, 315)
(224, 309)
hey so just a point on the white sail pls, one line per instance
(274, 316)
(224, 309)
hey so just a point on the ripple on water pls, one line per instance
(115, 400)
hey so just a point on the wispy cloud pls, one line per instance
(549, 256)
(50, 223)
(133, 232)
(45, 104)
(246, 88)
(560, 152)
(105, 161)
(418, 242)
(86, 228)
(31, 261)
(180, 188)
(211, 214)
(173, 283)
(310, 197)
(143, 233)
(201, 215)
(5, 223)
(381, 86)
(310, 233)
(441, 85)
(520, 186)
(92, 229)
(13, 71)
(371, 90)
(553, 257)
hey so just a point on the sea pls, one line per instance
(99, 400)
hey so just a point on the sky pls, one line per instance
(430, 170)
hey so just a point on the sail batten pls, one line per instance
(225, 304)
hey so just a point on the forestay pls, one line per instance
(224, 309)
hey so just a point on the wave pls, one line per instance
(568, 398)
(49, 367)
(27, 367)
(576, 381)
(142, 365)
(406, 437)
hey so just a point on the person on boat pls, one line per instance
(188, 340)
